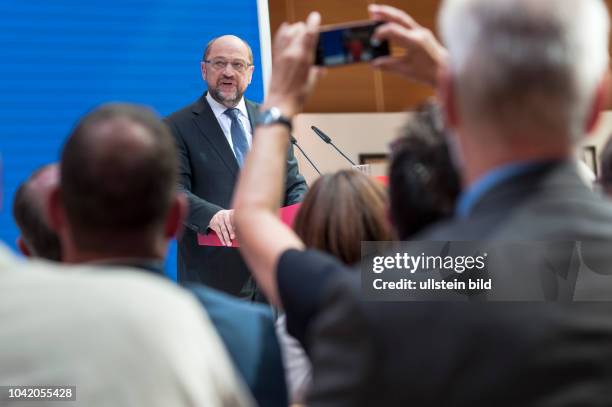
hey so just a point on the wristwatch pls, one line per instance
(273, 116)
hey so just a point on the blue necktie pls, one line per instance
(239, 139)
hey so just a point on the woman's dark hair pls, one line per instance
(423, 183)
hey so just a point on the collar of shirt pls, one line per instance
(468, 199)
(153, 265)
(225, 122)
(219, 109)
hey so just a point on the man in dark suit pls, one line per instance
(521, 83)
(213, 136)
(117, 205)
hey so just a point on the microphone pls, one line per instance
(295, 143)
(328, 140)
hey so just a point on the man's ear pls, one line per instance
(599, 102)
(23, 248)
(251, 70)
(203, 70)
(176, 216)
(55, 210)
(447, 97)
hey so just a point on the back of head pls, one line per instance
(524, 66)
(423, 183)
(339, 211)
(29, 214)
(77, 326)
(118, 177)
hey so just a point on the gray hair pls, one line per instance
(527, 64)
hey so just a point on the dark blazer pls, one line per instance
(465, 352)
(247, 331)
(208, 175)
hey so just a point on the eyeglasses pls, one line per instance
(237, 65)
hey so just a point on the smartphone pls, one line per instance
(349, 43)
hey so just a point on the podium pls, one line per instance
(287, 215)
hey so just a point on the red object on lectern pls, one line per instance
(287, 215)
(383, 179)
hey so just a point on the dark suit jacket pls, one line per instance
(208, 175)
(466, 353)
(247, 331)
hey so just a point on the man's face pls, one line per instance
(227, 84)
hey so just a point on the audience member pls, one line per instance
(423, 183)
(521, 82)
(423, 188)
(75, 326)
(36, 239)
(338, 229)
(117, 204)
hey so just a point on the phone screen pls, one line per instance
(349, 44)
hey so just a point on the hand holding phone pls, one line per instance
(421, 55)
(349, 43)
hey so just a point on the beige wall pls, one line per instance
(353, 133)
(356, 133)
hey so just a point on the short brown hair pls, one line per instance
(117, 183)
(339, 211)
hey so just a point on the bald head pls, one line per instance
(118, 176)
(37, 239)
(232, 41)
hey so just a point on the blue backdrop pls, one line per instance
(60, 58)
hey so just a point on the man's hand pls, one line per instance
(223, 225)
(293, 74)
(424, 55)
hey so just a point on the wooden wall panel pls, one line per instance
(359, 88)
(356, 88)
(346, 89)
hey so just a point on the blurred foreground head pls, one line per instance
(118, 186)
(339, 211)
(523, 76)
(423, 183)
(37, 239)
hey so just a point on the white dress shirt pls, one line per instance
(226, 123)
(122, 337)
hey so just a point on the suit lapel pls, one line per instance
(252, 109)
(209, 126)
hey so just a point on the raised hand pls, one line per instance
(423, 56)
